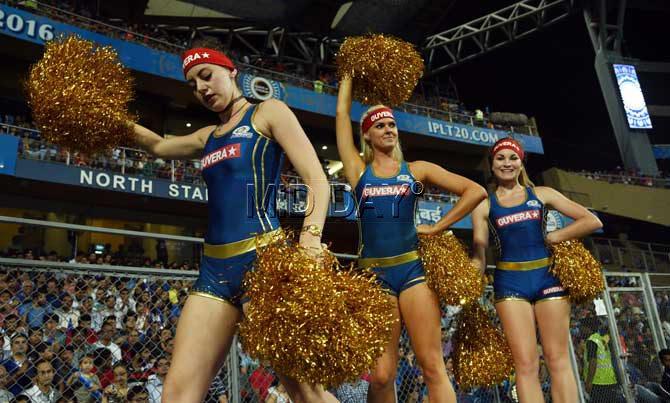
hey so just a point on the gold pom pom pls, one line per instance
(577, 270)
(384, 69)
(449, 271)
(310, 321)
(79, 95)
(481, 354)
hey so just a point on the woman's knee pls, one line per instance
(382, 378)
(557, 362)
(527, 365)
(174, 391)
(432, 366)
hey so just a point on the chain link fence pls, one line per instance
(95, 331)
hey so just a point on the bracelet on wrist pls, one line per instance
(312, 229)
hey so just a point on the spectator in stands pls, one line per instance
(155, 382)
(318, 86)
(67, 362)
(105, 341)
(18, 366)
(5, 395)
(85, 324)
(130, 344)
(138, 394)
(277, 393)
(655, 392)
(479, 117)
(52, 336)
(260, 380)
(86, 309)
(85, 381)
(34, 341)
(79, 344)
(26, 292)
(53, 293)
(124, 303)
(79, 291)
(104, 364)
(10, 328)
(43, 390)
(142, 316)
(352, 392)
(117, 391)
(68, 317)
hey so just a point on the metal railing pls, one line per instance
(633, 256)
(646, 181)
(114, 31)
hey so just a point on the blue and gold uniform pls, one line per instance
(388, 239)
(241, 168)
(522, 271)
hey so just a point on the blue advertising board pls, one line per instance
(324, 104)
(37, 29)
(427, 212)
(9, 145)
(661, 151)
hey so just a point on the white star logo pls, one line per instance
(205, 55)
(232, 151)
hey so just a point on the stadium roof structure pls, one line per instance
(448, 32)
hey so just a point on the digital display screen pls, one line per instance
(632, 97)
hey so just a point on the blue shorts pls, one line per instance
(529, 285)
(398, 278)
(221, 279)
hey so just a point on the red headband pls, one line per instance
(196, 56)
(375, 115)
(509, 144)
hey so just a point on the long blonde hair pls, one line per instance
(366, 148)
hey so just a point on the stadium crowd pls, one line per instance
(61, 331)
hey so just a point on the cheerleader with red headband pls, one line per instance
(386, 188)
(526, 293)
(245, 148)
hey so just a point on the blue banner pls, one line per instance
(34, 28)
(9, 146)
(426, 213)
(661, 151)
(430, 212)
(105, 180)
(324, 104)
(291, 203)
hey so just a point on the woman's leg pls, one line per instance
(204, 333)
(420, 310)
(382, 379)
(518, 322)
(553, 320)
